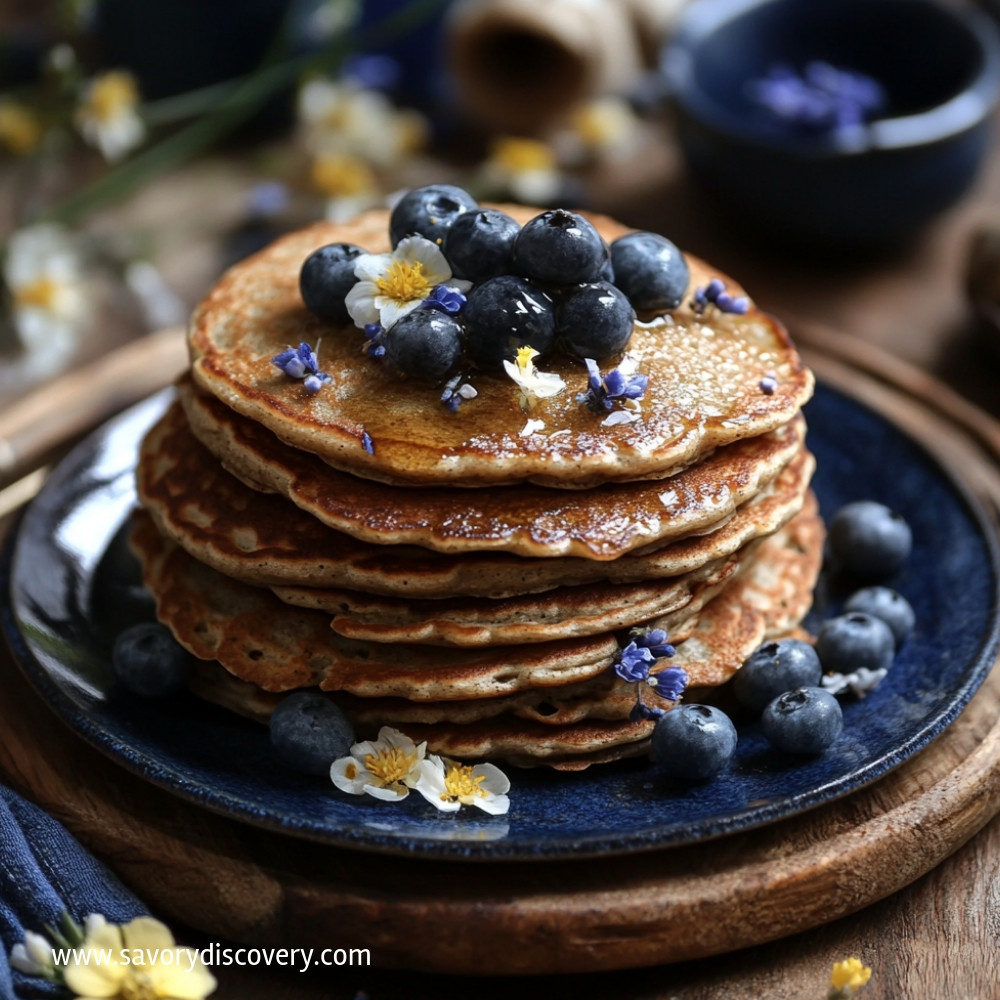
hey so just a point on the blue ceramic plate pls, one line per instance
(71, 584)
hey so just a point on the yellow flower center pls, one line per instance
(850, 974)
(517, 155)
(342, 176)
(390, 765)
(524, 359)
(404, 281)
(137, 986)
(19, 131)
(460, 783)
(40, 294)
(111, 94)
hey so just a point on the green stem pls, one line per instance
(235, 102)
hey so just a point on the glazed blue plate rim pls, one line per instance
(422, 835)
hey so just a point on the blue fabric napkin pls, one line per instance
(43, 871)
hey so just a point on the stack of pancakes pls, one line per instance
(470, 577)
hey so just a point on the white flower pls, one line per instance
(525, 168)
(532, 427)
(42, 272)
(859, 682)
(386, 768)
(348, 182)
(449, 785)
(532, 383)
(394, 284)
(107, 116)
(603, 129)
(344, 119)
(34, 956)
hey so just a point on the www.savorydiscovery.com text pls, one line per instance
(215, 955)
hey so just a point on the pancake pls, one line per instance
(262, 539)
(557, 614)
(601, 523)
(213, 615)
(704, 391)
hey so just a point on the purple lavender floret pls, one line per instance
(449, 300)
(603, 393)
(768, 385)
(297, 362)
(640, 712)
(314, 382)
(822, 99)
(714, 293)
(374, 346)
(657, 642)
(367, 443)
(670, 683)
(633, 663)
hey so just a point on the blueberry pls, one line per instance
(309, 732)
(479, 243)
(885, 603)
(325, 279)
(804, 720)
(650, 270)
(868, 539)
(149, 662)
(506, 313)
(428, 212)
(774, 668)
(855, 640)
(594, 320)
(693, 742)
(560, 248)
(425, 343)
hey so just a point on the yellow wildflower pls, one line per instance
(108, 117)
(848, 977)
(137, 961)
(20, 131)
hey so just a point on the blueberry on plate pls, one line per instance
(148, 661)
(478, 244)
(805, 720)
(560, 247)
(693, 742)
(325, 279)
(428, 212)
(650, 270)
(854, 640)
(594, 320)
(425, 343)
(885, 603)
(506, 313)
(772, 669)
(309, 732)
(868, 539)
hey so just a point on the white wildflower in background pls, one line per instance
(449, 785)
(33, 956)
(344, 119)
(526, 169)
(605, 129)
(49, 307)
(390, 285)
(386, 768)
(108, 116)
(347, 182)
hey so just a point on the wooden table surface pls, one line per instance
(940, 936)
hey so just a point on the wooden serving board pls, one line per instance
(248, 885)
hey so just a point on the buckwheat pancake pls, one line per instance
(704, 391)
(586, 722)
(277, 647)
(528, 520)
(262, 539)
(562, 613)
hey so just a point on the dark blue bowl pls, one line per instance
(939, 65)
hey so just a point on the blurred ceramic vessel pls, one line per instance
(872, 183)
